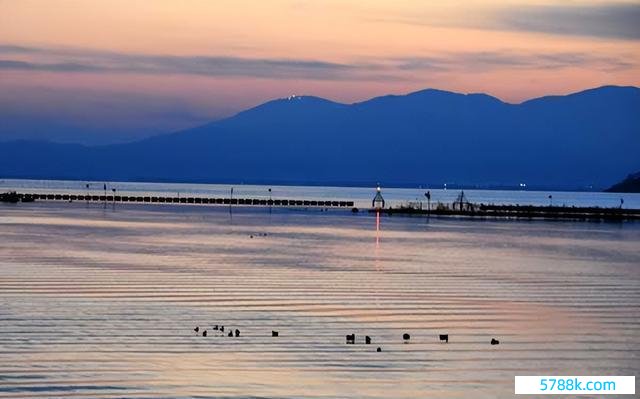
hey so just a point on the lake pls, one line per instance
(101, 301)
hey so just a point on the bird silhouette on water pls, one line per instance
(444, 337)
(494, 341)
(237, 332)
(367, 339)
(204, 333)
(351, 339)
(274, 333)
(406, 337)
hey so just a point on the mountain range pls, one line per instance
(430, 137)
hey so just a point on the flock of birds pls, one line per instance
(351, 338)
(232, 333)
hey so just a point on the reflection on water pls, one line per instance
(102, 303)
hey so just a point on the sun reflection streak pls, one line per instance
(377, 230)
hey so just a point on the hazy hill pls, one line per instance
(629, 185)
(426, 137)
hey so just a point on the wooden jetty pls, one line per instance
(29, 197)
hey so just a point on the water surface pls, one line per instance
(101, 301)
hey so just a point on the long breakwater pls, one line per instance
(29, 197)
(478, 211)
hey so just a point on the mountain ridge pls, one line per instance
(580, 139)
(631, 184)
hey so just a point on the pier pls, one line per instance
(30, 197)
(469, 210)
(483, 211)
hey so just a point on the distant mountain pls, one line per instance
(629, 185)
(427, 137)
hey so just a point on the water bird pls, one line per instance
(367, 339)
(196, 329)
(379, 349)
(222, 328)
(444, 337)
(237, 332)
(204, 333)
(274, 333)
(215, 327)
(494, 341)
(230, 334)
(351, 338)
(406, 337)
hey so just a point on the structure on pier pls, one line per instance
(378, 200)
(462, 203)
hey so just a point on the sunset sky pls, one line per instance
(108, 71)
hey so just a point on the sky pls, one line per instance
(97, 72)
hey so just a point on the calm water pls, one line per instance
(101, 302)
(362, 196)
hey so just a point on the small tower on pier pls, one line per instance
(378, 200)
